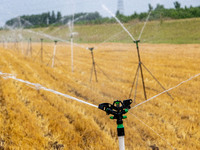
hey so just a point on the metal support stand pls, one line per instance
(72, 53)
(118, 109)
(41, 50)
(30, 49)
(93, 65)
(54, 54)
(140, 64)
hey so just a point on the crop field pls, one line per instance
(32, 118)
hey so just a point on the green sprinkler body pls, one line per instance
(117, 109)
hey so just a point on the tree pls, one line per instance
(150, 7)
(48, 18)
(117, 13)
(177, 5)
(53, 17)
(159, 7)
(59, 16)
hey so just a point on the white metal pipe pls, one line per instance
(22, 47)
(6, 43)
(121, 143)
(72, 54)
(54, 53)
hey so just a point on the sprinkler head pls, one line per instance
(91, 48)
(137, 41)
(118, 109)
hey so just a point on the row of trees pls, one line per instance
(159, 12)
(41, 20)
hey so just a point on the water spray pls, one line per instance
(140, 64)
(71, 27)
(118, 109)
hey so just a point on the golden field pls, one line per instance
(36, 119)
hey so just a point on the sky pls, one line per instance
(14, 8)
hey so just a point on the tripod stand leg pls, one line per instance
(136, 86)
(145, 96)
(95, 72)
(133, 82)
(36, 56)
(91, 73)
(104, 73)
(157, 81)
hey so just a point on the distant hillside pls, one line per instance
(169, 31)
(164, 31)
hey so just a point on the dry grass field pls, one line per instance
(36, 119)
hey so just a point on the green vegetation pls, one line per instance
(159, 13)
(168, 31)
(40, 20)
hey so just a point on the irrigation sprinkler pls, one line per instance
(93, 65)
(139, 68)
(54, 53)
(6, 44)
(140, 64)
(41, 49)
(72, 52)
(29, 49)
(71, 28)
(16, 45)
(118, 109)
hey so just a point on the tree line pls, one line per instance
(39, 20)
(159, 12)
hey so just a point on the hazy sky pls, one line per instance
(14, 8)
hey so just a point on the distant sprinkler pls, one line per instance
(29, 49)
(93, 65)
(93, 69)
(47, 21)
(118, 109)
(16, 45)
(54, 54)
(41, 50)
(71, 27)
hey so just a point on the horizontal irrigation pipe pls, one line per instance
(167, 90)
(38, 86)
(54, 38)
